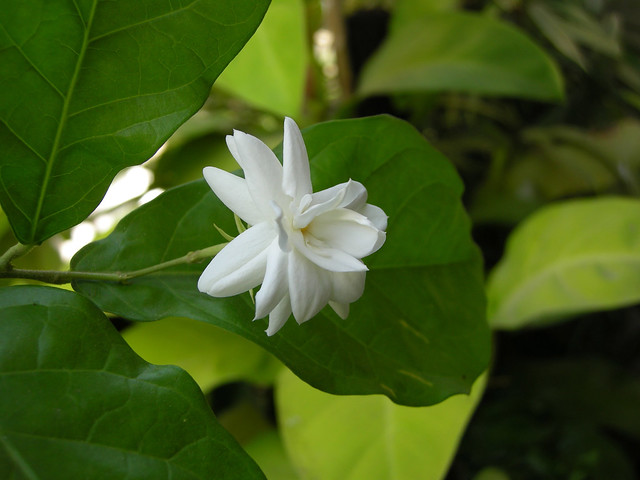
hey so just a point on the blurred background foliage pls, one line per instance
(536, 103)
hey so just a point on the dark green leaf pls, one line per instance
(98, 85)
(453, 51)
(418, 334)
(406, 11)
(77, 403)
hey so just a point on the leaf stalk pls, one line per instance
(57, 277)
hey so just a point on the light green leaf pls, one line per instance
(270, 71)
(570, 258)
(96, 85)
(76, 403)
(360, 438)
(417, 335)
(209, 354)
(268, 452)
(462, 52)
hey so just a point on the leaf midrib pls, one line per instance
(63, 122)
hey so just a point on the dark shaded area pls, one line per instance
(563, 402)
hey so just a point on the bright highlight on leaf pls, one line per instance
(304, 248)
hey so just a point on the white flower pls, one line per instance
(303, 247)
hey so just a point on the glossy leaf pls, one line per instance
(96, 86)
(270, 71)
(77, 403)
(461, 52)
(209, 354)
(417, 335)
(353, 438)
(573, 257)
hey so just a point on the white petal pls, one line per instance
(296, 180)
(347, 287)
(283, 237)
(345, 230)
(309, 287)
(275, 284)
(279, 315)
(308, 211)
(327, 258)
(231, 145)
(375, 215)
(240, 265)
(349, 195)
(355, 195)
(262, 170)
(382, 237)
(234, 193)
(342, 309)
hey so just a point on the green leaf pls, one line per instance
(268, 452)
(355, 438)
(554, 28)
(453, 51)
(417, 335)
(278, 51)
(570, 258)
(406, 11)
(568, 27)
(99, 85)
(77, 403)
(209, 354)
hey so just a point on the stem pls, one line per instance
(59, 277)
(12, 253)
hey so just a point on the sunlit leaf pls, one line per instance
(271, 70)
(210, 355)
(461, 52)
(268, 452)
(360, 438)
(573, 257)
(93, 86)
(417, 335)
(76, 403)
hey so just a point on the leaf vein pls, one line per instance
(61, 125)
